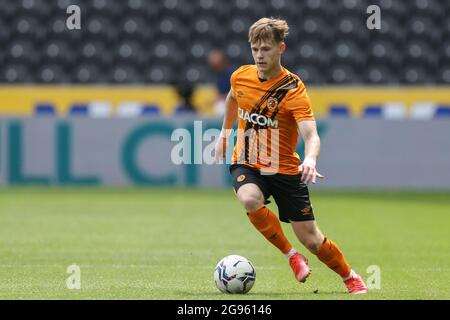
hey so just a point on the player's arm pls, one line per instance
(308, 130)
(227, 126)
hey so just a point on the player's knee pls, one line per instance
(312, 244)
(251, 203)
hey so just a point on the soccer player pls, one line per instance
(272, 107)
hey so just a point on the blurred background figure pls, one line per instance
(185, 92)
(220, 65)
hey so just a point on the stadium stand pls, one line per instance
(165, 41)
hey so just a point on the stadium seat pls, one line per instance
(182, 111)
(372, 111)
(198, 51)
(136, 28)
(313, 28)
(159, 73)
(16, 73)
(352, 27)
(151, 110)
(130, 52)
(444, 58)
(417, 73)
(344, 74)
(129, 109)
(100, 109)
(86, 73)
(98, 7)
(435, 9)
(423, 27)
(27, 27)
(53, 73)
(311, 74)
(44, 110)
(445, 74)
(5, 33)
(58, 52)
(218, 9)
(167, 52)
(22, 51)
(348, 53)
(252, 8)
(391, 29)
(326, 8)
(79, 110)
(239, 52)
(423, 110)
(95, 52)
(126, 73)
(445, 27)
(380, 74)
(442, 111)
(312, 52)
(394, 110)
(393, 7)
(420, 53)
(196, 73)
(383, 53)
(339, 111)
(101, 27)
(172, 28)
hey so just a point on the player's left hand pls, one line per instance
(309, 172)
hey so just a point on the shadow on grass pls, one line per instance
(255, 295)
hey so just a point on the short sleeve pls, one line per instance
(300, 104)
(235, 74)
(233, 79)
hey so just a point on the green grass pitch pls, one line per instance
(165, 243)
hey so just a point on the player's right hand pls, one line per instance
(220, 149)
(309, 172)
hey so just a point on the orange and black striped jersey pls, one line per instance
(268, 113)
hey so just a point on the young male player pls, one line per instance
(272, 107)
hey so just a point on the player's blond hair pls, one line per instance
(268, 29)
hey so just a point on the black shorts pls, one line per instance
(290, 194)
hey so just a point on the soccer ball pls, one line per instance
(234, 274)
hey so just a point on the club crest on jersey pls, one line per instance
(272, 103)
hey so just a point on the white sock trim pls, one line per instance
(351, 275)
(290, 253)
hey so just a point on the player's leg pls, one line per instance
(292, 198)
(329, 253)
(309, 234)
(250, 196)
(326, 250)
(252, 192)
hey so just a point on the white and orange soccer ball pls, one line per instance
(234, 274)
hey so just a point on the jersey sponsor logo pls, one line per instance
(241, 178)
(258, 119)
